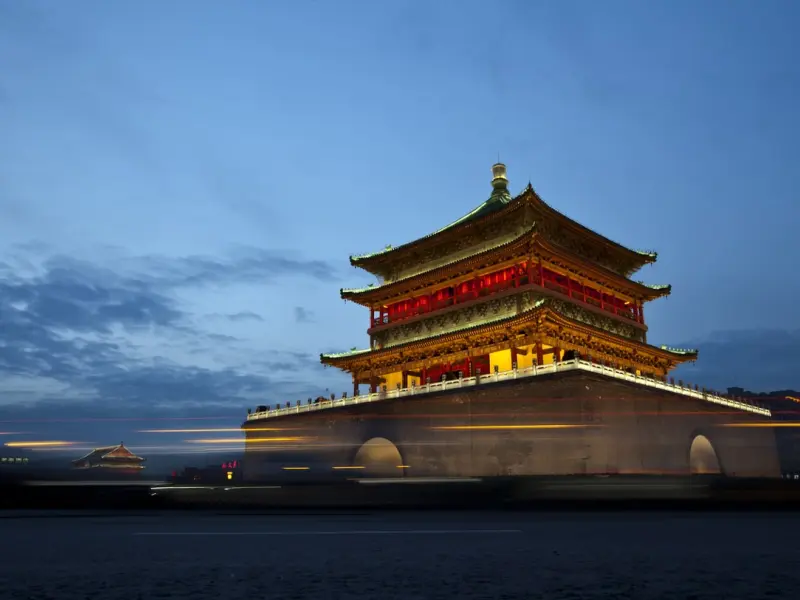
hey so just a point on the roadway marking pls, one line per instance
(343, 532)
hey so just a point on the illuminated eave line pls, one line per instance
(379, 293)
(540, 307)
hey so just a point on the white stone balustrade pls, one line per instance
(568, 365)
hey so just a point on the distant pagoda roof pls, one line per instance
(110, 456)
(499, 200)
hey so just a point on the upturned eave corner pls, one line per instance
(657, 290)
(650, 255)
(684, 354)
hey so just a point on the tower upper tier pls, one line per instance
(496, 221)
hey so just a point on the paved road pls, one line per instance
(399, 555)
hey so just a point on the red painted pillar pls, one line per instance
(355, 384)
(541, 273)
(530, 272)
(513, 358)
(641, 313)
(539, 354)
(404, 384)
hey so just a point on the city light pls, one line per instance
(211, 430)
(510, 427)
(757, 425)
(45, 444)
(247, 440)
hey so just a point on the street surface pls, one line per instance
(383, 555)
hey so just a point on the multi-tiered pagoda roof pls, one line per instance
(514, 272)
(110, 457)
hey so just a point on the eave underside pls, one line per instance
(539, 325)
(527, 246)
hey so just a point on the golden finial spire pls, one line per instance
(499, 179)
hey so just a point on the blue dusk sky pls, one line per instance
(182, 182)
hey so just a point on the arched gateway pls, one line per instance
(379, 457)
(703, 458)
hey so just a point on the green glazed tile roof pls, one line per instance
(505, 241)
(658, 287)
(649, 253)
(496, 201)
(353, 352)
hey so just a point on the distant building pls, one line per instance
(110, 458)
(228, 472)
(12, 457)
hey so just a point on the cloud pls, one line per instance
(70, 332)
(244, 265)
(303, 315)
(758, 360)
(245, 315)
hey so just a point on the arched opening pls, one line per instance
(379, 457)
(703, 458)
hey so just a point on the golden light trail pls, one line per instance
(347, 468)
(246, 440)
(217, 430)
(508, 427)
(295, 468)
(793, 399)
(49, 444)
(780, 424)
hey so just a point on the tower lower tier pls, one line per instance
(564, 423)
